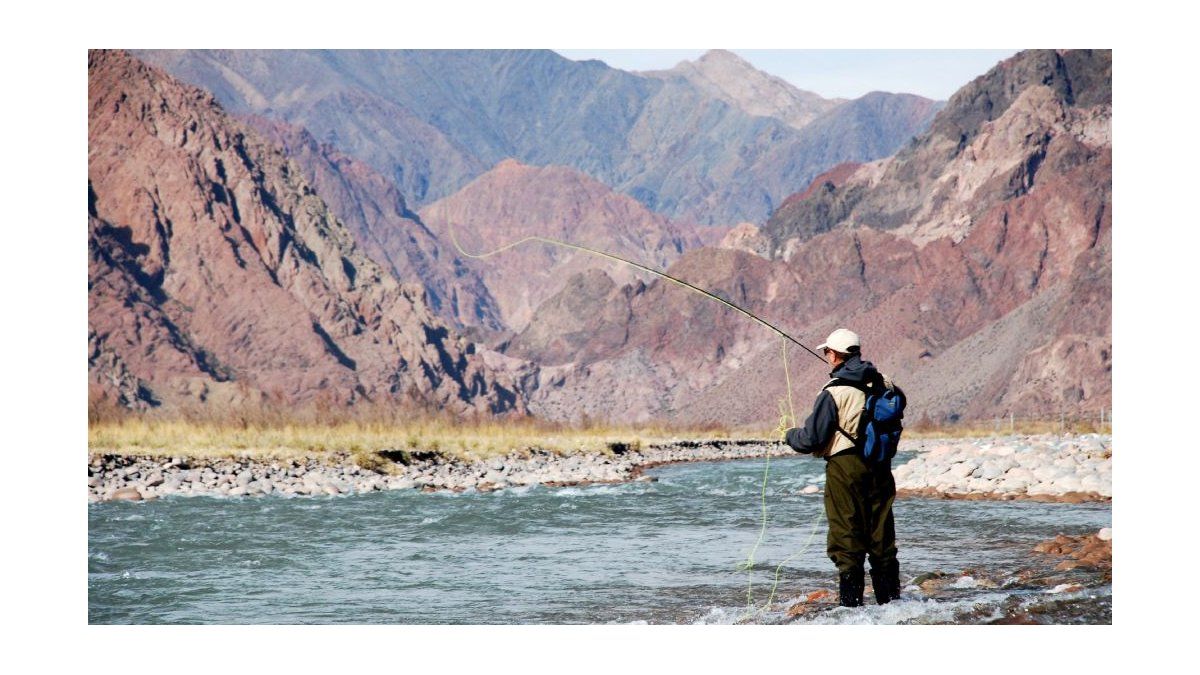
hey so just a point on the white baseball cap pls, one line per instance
(841, 340)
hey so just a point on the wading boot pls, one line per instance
(850, 588)
(886, 582)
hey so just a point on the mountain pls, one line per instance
(874, 125)
(645, 352)
(976, 264)
(514, 201)
(372, 208)
(726, 76)
(230, 262)
(217, 276)
(433, 120)
(942, 184)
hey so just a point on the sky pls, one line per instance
(833, 73)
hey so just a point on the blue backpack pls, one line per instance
(881, 422)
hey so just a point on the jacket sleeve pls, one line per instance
(818, 429)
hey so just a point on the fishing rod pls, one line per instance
(644, 268)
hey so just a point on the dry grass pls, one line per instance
(278, 432)
(472, 440)
(269, 428)
(133, 436)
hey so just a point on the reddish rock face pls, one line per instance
(514, 201)
(834, 177)
(375, 212)
(217, 275)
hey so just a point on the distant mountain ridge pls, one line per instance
(434, 120)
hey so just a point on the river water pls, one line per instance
(656, 552)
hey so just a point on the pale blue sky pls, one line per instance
(833, 73)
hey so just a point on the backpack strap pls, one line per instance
(876, 386)
(839, 382)
(850, 438)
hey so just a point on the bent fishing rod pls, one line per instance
(644, 268)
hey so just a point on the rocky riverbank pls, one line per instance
(136, 478)
(1044, 468)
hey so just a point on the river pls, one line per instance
(655, 552)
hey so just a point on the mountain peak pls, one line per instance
(723, 56)
(510, 164)
(725, 75)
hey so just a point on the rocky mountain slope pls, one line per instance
(941, 185)
(976, 264)
(730, 78)
(514, 201)
(372, 208)
(432, 120)
(218, 276)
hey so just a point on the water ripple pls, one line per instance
(657, 552)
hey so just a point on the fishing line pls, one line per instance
(748, 564)
(788, 379)
(651, 270)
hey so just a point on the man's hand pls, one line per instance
(788, 437)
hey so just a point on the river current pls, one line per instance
(656, 552)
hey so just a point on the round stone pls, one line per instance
(127, 494)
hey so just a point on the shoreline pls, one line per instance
(938, 469)
(139, 477)
(1064, 498)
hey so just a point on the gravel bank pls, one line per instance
(136, 478)
(1046, 468)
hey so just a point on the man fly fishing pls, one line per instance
(855, 426)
